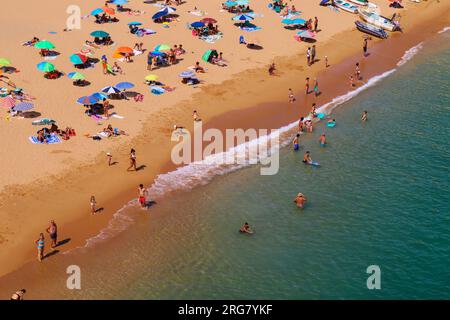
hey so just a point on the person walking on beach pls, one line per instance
(272, 68)
(365, 46)
(109, 156)
(313, 54)
(316, 24)
(364, 116)
(307, 86)
(18, 295)
(53, 231)
(326, 62)
(40, 246)
(308, 56)
(301, 125)
(291, 96)
(300, 200)
(93, 204)
(316, 87)
(357, 72)
(142, 195)
(132, 160)
(352, 81)
(104, 64)
(105, 108)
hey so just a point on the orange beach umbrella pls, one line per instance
(124, 50)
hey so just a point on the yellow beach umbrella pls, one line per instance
(4, 62)
(151, 77)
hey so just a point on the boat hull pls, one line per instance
(372, 30)
(377, 20)
(346, 6)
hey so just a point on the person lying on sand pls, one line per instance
(198, 68)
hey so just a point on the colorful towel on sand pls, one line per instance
(50, 140)
(211, 38)
(250, 29)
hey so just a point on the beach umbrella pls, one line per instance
(43, 122)
(8, 102)
(163, 12)
(96, 11)
(45, 66)
(99, 34)
(197, 24)
(44, 45)
(120, 2)
(78, 58)
(242, 17)
(109, 10)
(23, 106)
(299, 21)
(151, 77)
(75, 76)
(306, 34)
(187, 74)
(208, 20)
(124, 85)
(134, 23)
(242, 2)
(162, 47)
(207, 54)
(157, 53)
(110, 90)
(124, 50)
(287, 21)
(87, 100)
(230, 3)
(99, 95)
(4, 62)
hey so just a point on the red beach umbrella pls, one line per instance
(208, 20)
(8, 102)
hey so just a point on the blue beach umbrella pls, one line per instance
(230, 3)
(99, 34)
(135, 23)
(187, 74)
(242, 2)
(124, 85)
(242, 17)
(197, 24)
(87, 100)
(110, 89)
(120, 2)
(96, 11)
(157, 53)
(99, 96)
(23, 106)
(45, 66)
(287, 21)
(299, 21)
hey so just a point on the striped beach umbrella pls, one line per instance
(78, 58)
(8, 102)
(163, 12)
(45, 66)
(75, 76)
(124, 85)
(242, 17)
(110, 90)
(44, 45)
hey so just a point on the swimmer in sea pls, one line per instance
(307, 158)
(246, 229)
(323, 140)
(332, 121)
(295, 142)
(300, 200)
(364, 116)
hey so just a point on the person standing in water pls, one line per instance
(364, 116)
(40, 246)
(301, 124)
(291, 96)
(295, 142)
(53, 231)
(323, 140)
(300, 200)
(316, 87)
(142, 195)
(132, 160)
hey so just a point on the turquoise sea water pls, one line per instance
(380, 197)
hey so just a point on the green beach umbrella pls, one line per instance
(76, 76)
(206, 55)
(100, 34)
(46, 67)
(4, 62)
(44, 45)
(162, 47)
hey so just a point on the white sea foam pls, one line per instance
(409, 54)
(202, 172)
(444, 30)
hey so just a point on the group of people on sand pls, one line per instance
(165, 58)
(104, 18)
(237, 8)
(208, 30)
(45, 133)
(52, 230)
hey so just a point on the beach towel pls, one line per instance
(117, 116)
(211, 38)
(157, 90)
(250, 29)
(198, 13)
(50, 140)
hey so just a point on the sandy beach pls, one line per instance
(45, 182)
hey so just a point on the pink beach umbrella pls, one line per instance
(8, 102)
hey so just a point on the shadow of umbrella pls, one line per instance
(31, 114)
(254, 46)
